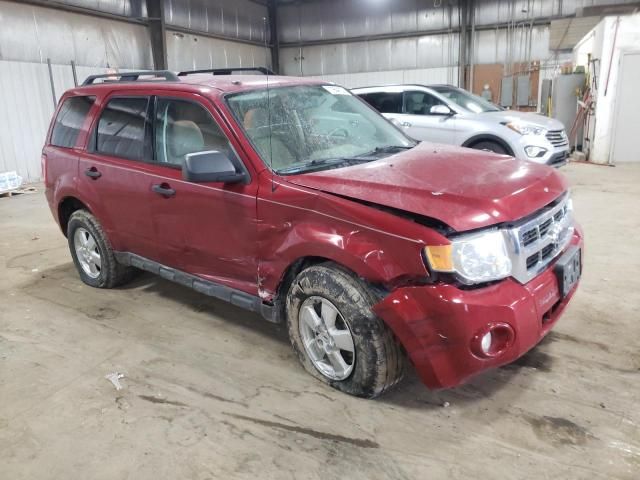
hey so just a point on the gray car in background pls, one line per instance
(447, 114)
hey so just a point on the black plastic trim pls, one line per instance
(235, 297)
(132, 76)
(228, 71)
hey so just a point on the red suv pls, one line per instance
(293, 198)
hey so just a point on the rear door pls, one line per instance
(61, 153)
(206, 229)
(419, 121)
(114, 173)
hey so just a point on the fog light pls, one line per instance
(535, 152)
(485, 343)
(492, 340)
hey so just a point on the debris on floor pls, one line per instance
(9, 183)
(115, 378)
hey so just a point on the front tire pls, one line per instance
(489, 146)
(92, 254)
(337, 337)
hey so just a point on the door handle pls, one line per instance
(163, 189)
(93, 173)
(406, 124)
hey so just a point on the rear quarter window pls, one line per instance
(384, 102)
(69, 121)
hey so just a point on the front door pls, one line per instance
(421, 123)
(206, 229)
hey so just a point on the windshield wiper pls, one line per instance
(316, 164)
(384, 149)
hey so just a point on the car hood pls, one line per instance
(505, 116)
(463, 188)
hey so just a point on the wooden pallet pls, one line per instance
(18, 191)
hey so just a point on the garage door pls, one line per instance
(627, 117)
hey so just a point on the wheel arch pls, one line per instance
(66, 207)
(292, 271)
(488, 137)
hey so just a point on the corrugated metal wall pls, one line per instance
(424, 57)
(191, 52)
(29, 35)
(331, 19)
(33, 34)
(125, 8)
(240, 19)
(419, 52)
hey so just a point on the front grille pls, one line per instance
(558, 159)
(557, 138)
(538, 240)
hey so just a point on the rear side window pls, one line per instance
(69, 121)
(384, 102)
(123, 129)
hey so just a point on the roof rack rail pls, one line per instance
(228, 71)
(132, 76)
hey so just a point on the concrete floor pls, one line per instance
(214, 392)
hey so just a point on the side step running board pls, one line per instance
(212, 289)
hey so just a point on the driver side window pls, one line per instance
(183, 127)
(420, 103)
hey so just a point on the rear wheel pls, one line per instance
(490, 146)
(92, 254)
(337, 337)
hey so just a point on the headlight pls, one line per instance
(525, 128)
(475, 258)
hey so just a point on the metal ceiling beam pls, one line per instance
(157, 30)
(464, 9)
(272, 19)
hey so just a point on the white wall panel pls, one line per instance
(26, 107)
(190, 52)
(33, 34)
(334, 19)
(389, 77)
(241, 19)
(497, 46)
(126, 8)
(393, 54)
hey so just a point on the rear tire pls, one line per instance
(377, 361)
(489, 146)
(92, 253)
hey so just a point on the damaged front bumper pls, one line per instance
(438, 324)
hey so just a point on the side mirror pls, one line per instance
(210, 166)
(441, 110)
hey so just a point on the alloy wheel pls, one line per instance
(327, 338)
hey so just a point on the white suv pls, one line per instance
(447, 114)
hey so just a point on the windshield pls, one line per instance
(311, 127)
(467, 100)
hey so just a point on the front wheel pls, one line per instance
(337, 337)
(489, 146)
